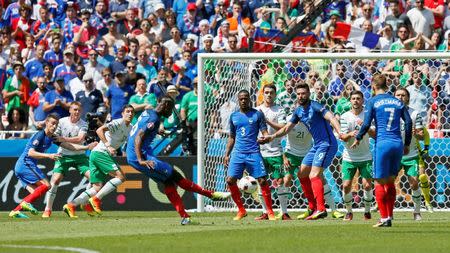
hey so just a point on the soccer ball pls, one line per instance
(248, 184)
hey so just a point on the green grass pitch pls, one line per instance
(162, 232)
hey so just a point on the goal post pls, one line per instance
(222, 75)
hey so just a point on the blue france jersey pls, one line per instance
(149, 123)
(39, 142)
(313, 118)
(245, 128)
(387, 111)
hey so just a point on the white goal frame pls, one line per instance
(201, 156)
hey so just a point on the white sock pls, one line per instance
(329, 197)
(368, 199)
(84, 197)
(50, 197)
(283, 194)
(110, 186)
(348, 200)
(416, 196)
(263, 203)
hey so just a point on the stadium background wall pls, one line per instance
(138, 193)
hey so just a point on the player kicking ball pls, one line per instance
(27, 171)
(387, 111)
(357, 159)
(317, 119)
(242, 152)
(140, 156)
(102, 164)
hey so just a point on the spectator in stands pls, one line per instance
(29, 51)
(76, 84)
(85, 35)
(146, 7)
(113, 38)
(204, 31)
(144, 67)
(156, 56)
(232, 44)
(329, 41)
(132, 76)
(181, 81)
(142, 100)
(48, 75)
(17, 89)
(17, 121)
(191, 66)
(70, 22)
(66, 70)
(387, 38)
(170, 22)
(419, 43)
(437, 8)
(287, 98)
(58, 100)
(175, 44)
(99, 17)
(129, 24)
(173, 120)
(396, 18)
(54, 55)
(220, 42)
(104, 57)
(118, 9)
(133, 47)
(146, 37)
(188, 113)
(159, 86)
(119, 63)
(118, 95)
(237, 21)
(190, 21)
(21, 27)
(36, 103)
(335, 16)
(155, 26)
(35, 67)
(93, 66)
(108, 80)
(321, 95)
(367, 11)
(90, 98)
(336, 86)
(420, 95)
(343, 104)
(422, 19)
(402, 34)
(207, 46)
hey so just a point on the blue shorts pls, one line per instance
(161, 173)
(387, 158)
(320, 155)
(252, 162)
(28, 173)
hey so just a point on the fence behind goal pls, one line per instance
(222, 76)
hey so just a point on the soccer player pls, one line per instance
(242, 152)
(358, 159)
(27, 171)
(318, 120)
(387, 111)
(73, 130)
(410, 161)
(423, 178)
(140, 156)
(272, 151)
(101, 163)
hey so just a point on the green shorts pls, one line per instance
(100, 165)
(79, 162)
(295, 161)
(274, 165)
(349, 169)
(411, 166)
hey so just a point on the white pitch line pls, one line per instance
(70, 249)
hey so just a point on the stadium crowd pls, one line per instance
(109, 53)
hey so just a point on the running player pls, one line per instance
(101, 163)
(358, 159)
(242, 152)
(27, 171)
(387, 111)
(318, 120)
(140, 156)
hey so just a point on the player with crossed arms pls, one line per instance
(245, 125)
(318, 120)
(387, 111)
(359, 158)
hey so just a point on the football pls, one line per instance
(248, 184)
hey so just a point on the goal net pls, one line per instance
(330, 76)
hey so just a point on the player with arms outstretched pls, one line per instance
(318, 120)
(27, 171)
(357, 159)
(140, 156)
(242, 152)
(387, 111)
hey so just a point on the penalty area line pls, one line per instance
(70, 249)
